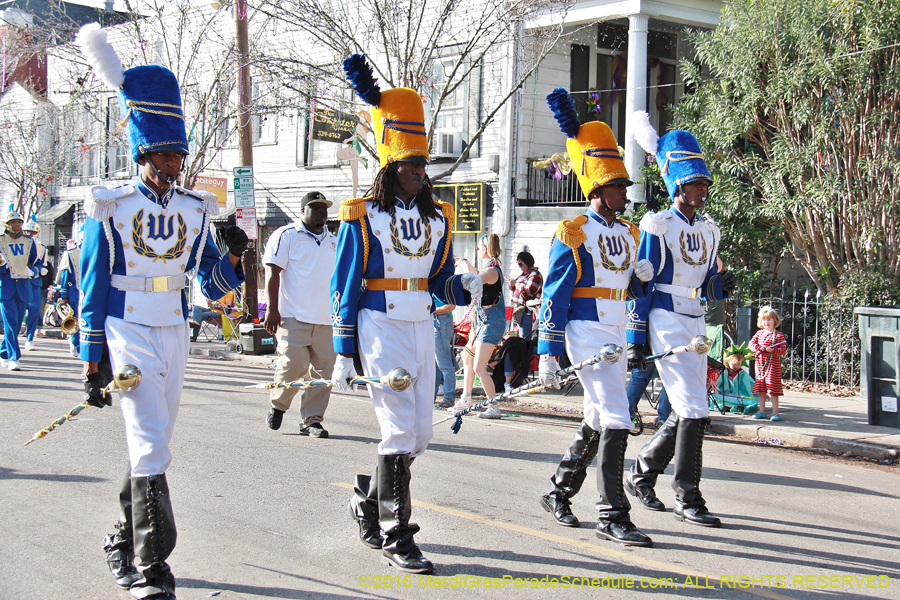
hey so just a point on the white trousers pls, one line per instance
(404, 417)
(151, 408)
(683, 374)
(605, 401)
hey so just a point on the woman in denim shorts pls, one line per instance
(489, 324)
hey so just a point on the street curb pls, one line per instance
(800, 440)
(225, 355)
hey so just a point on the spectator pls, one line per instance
(200, 309)
(487, 330)
(734, 387)
(769, 345)
(526, 293)
(299, 258)
(443, 352)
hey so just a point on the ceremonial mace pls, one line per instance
(700, 344)
(609, 354)
(398, 380)
(126, 378)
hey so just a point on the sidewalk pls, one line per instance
(838, 425)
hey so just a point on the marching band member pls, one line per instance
(140, 242)
(394, 254)
(19, 263)
(70, 284)
(36, 304)
(593, 270)
(682, 247)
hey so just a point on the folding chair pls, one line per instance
(209, 329)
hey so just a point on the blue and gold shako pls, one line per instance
(680, 160)
(150, 103)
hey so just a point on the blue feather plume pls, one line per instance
(361, 77)
(563, 108)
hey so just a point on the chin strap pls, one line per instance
(164, 199)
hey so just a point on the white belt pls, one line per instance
(169, 283)
(679, 290)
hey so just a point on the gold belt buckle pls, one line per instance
(618, 294)
(412, 284)
(695, 292)
(160, 284)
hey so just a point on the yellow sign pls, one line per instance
(216, 185)
(468, 203)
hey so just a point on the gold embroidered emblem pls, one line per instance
(684, 243)
(402, 250)
(145, 250)
(617, 245)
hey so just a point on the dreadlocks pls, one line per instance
(383, 190)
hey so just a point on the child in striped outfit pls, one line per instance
(769, 346)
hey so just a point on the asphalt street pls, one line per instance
(263, 514)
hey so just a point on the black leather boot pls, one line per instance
(394, 509)
(689, 503)
(614, 523)
(650, 463)
(570, 474)
(364, 509)
(119, 546)
(154, 537)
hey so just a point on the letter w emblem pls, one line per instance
(693, 242)
(156, 227)
(412, 228)
(17, 249)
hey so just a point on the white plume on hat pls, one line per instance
(100, 54)
(644, 133)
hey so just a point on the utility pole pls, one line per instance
(245, 144)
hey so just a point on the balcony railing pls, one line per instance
(543, 190)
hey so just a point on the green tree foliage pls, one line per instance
(797, 105)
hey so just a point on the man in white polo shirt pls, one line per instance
(299, 261)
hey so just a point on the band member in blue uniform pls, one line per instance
(593, 271)
(141, 241)
(682, 246)
(19, 264)
(394, 256)
(35, 306)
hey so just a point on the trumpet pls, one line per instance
(69, 325)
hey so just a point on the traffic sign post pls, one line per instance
(244, 193)
(245, 218)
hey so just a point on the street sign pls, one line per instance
(244, 194)
(245, 218)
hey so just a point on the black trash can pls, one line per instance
(879, 331)
(255, 340)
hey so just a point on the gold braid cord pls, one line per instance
(450, 216)
(570, 233)
(635, 230)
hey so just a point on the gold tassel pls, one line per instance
(449, 214)
(570, 232)
(352, 209)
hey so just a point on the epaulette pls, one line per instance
(570, 233)
(449, 213)
(352, 209)
(634, 229)
(210, 201)
(655, 223)
(100, 203)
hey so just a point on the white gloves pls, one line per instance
(44, 271)
(643, 269)
(471, 282)
(547, 368)
(343, 370)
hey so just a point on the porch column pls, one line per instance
(635, 98)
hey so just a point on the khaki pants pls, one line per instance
(302, 348)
